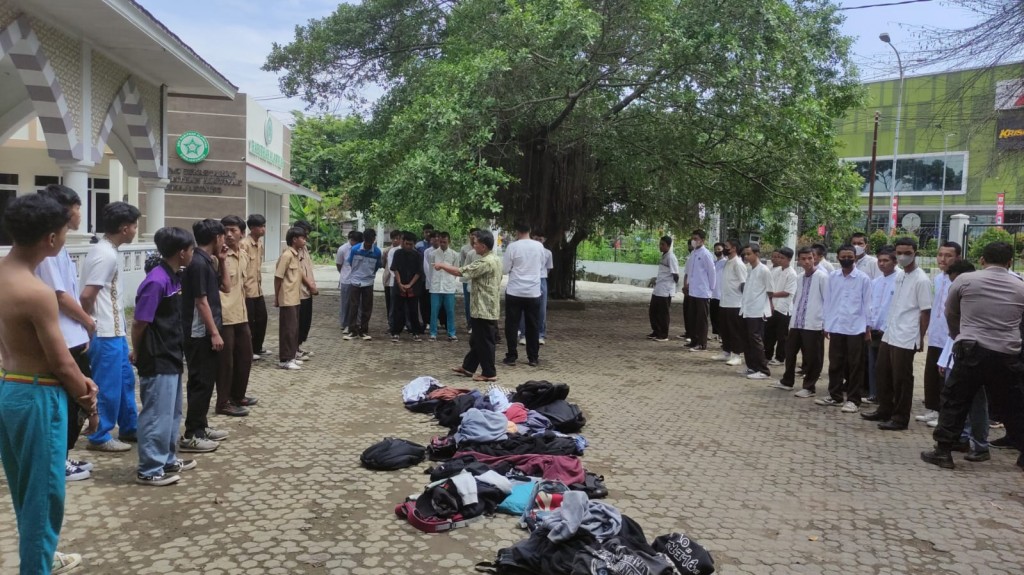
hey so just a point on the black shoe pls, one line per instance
(874, 416)
(233, 410)
(509, 361)
(892, 426)
(651, 335)
(248, 401)
(1002, 443)
(127, 438)
(533, 362)
(978, 456)
(937, 456)
(963, 446)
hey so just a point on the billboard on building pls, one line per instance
(1010, 94)
(1010, 131)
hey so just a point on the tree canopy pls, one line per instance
(570, 114)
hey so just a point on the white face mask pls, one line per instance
(859, 250)
(693, 245)
(904, 260)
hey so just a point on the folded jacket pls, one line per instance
(447, 393)
(417, 389)
(566, 468)
(545, 444)
(481, 426)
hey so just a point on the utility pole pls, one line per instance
(871, 179)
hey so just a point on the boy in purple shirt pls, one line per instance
(158, 342)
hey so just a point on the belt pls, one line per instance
(29, 379)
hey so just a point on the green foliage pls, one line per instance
(638, 247)
(877, 240)
(326, 234)
(990, 235)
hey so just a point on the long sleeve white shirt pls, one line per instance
(938, 330)
(783, 280)
(755, 302)
(809, 301)
(882, 289)
(847, 302)
(733, 276)
(700, 273)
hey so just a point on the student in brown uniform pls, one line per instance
(236, 357)
(255, 304)
(309, 290)
(288, 277)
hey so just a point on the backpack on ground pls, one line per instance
(545, 498)
(533, 394)
(593, 485)
(441, 447)
(449, 413)
(564, 416)
(392, 453)
(431, 524)
(689, 557)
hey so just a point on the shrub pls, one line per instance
(877, 240)
(990, 235)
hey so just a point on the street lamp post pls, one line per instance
(945, 161)
(884, 37)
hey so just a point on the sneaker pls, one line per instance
(180, 465)
(533, 363)
(698, 348)
(522, 341)
(932, 423)
(298, 361)
(850, 407)
(196, 444)
(734, 361)
(780, 385)
(156, 480)
(683, 337)
(65, 563)
(452, 339)
(660, 339)
(995, 424)
(828, 402)
(541, 341)
(722, 356)
(774, 362)
(215, 434)
(232, 410)
(416, 337)
(927, 416)
(82, 464)
(305, 354)
(870, 400)
(977, 456)
(349, 337)
(804, 393)
(432, 338)
(509, 361)
(651, 335)
(74, 473)
(367, 337)
(745, 371)
(111, 446)
(758, 375)
(394, 338)
(289, 365)
(264, 352)
(256, 357)
(1002, 443)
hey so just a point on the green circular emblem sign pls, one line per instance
(268, 131)
(193, 147)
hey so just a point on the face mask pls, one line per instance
(904, 260)
(719, 254)
(847, 263)
(693, 245)
(859, 250)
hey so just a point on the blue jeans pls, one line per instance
(33, 446)
(465, 304)
(436, 301)
(115, 377)
(343, 310)
(543, 317)
(159, 421)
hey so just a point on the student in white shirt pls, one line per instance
(523, 261)
(443, 286)
(905, 327)
(847, 304)
(783, 288)
(388, 277)
(664, 288)
(806, 326)
(867, 264)
(103, 297)
(549, 264)
(698, 284)
(734, 338)
(756, 308)
(344, 269)
(716, 294)
(820, 259)
(938, 331)
(882, 289)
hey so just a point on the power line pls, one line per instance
(882, 5)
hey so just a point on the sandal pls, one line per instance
(65, 562)
(482, 378)
(462, 372)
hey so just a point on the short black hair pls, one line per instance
(956, 248)
(886, 251)
(754, 247)
(206, 231)
(486, 238)
(666, 240)
(998, 253)
(170, 241)
(64, 195)
(905, 241)
(32, 217)
(786, 252)
(256, 221)
(235, 221)
(396, 234)
(960, 267)
(117, 214)
(804, 250)
(352, 235)
(294, 232)
(408, 237)
(820, 249)
(474, 230)
(369, 235)
(734, 244)
(718, 244)
(304, 225)
(699, 233)
(445, 236)
(855, 235)
(522, 228)
(846, 248)
(357, 236)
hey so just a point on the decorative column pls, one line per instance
(75, 175)
(154, 203)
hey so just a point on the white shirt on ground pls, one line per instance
(783, 280)
(847, 302)
(911, 296)
(733, 276)
(102, 268)
(665, 284)
(523, 261)
(755, 302)
(59, 272)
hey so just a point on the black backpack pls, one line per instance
(392, 453)
(449, 413)
(565, 417)
(534, 394)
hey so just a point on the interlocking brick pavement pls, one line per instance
(769, 483)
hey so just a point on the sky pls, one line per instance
(236, 36)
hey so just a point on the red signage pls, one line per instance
(893, 211)
(1000, 202)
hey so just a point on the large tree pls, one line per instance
(570, 113)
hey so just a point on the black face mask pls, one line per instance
(719, 254)
(846, 263)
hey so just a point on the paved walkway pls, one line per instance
(769, 483)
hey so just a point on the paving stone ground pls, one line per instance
(767, 482)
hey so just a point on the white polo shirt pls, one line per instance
(665, 284)
(783, 280)
(755, 302)
(733, 276)
(523, 261)
(911, 295)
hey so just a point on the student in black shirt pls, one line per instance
(407, 266)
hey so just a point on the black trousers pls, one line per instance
(933, 382)
(256, 308)
(530, 308)
(424, 302)
(659, 313)
(715, 320)
(288, 332)
(976, 367)
(405, 311)
(360, 307)
(697, 309)
(481, 347)
(775, 332)
(387, 304)
(753, 353)
(235, 364)
(811, 344)
(305, 319)
(894, 375)
(734, 336)
(203, 364)
(76, 415)
(687, 317)
(846, 365)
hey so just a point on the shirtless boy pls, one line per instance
(38, 374)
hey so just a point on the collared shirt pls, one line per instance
(733, 276)
(882, 289)
(485, 291)
(755, 302)
(307, 272)
(549, 264)
(233, 302)
(389, 258)
(809, 301)
(365, 263)
(102, 268)
(938, 331)
(986, 306)
(467, 255)
(847, 302)
(341, 258)
(700, 273)
(158, 303)
(201, 280)
(428, 270)
(826, 266)
(869, 266)
(783, 280)
(719, 278)
(912, 295)
(444, 282)
(665, 283)
(289, 271)
(523, 261)
(253, 277)
(59, 272)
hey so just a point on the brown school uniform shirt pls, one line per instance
(233, 302)
(253, 276)
(289, 269)
(307, 271)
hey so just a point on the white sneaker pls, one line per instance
(289, 365)
(349, 337)
(778, 385)
(850, 407)
(366, 337)
(745, 372)
(722, 357)
(828, 402)
(256, 357)
(774, 362)
(65, 563)
(541, 341)
(735, 360)
(660, 339)
(298, 361)
(927, 416)
(933, 423)
(522, 341)
(758, 375)
(804, 393)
